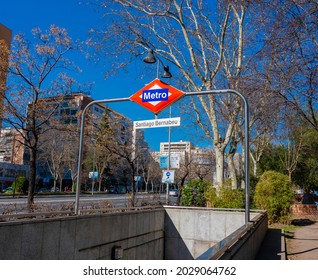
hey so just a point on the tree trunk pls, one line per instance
(254, 162)
(32, 179)
(54, 185)
(100, 185)
(232, 170)
(219, 165)
(61, 184)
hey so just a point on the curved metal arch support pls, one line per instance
(246, 142)
(80, 150)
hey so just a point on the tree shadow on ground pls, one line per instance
(302, 222)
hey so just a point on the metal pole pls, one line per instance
(169, 151)
(80, 150)
(93, 181)
(133, 157)
(246, 142)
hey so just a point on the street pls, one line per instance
(45, 203)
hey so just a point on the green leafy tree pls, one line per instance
(271, 159)
(306, 173)
(274, 193)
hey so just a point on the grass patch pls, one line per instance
(289, 230)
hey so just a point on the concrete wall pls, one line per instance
(153, 234)
(242, 244)
(139, 234)
(190, 231)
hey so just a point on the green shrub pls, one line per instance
(20, 185)
(230, 198)
(211, 197)
(274, 193)
(225, 197)
(187, 196)
(193, 193)
(200, 193)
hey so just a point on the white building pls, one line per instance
(181, 146)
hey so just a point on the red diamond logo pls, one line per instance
(156, 96)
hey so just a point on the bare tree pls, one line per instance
(118, 142)
(55, 161)
(202, 40)
(149, 168)
(34, 72)
(291, 54)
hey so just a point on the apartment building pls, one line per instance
(68, 108)
(176, 147)
(202, 156)
(5, 41)
(199, 162)
(11, 157)
(11, 147)
(66, 120)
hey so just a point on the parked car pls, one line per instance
(117, 189)
(112, 189)
(42, 190)
(174, 192)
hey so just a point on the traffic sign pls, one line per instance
(156, 96)
(93, 175)
(168, 176)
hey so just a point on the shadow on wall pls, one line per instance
(175, 247)
(273, 245)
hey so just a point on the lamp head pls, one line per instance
(150, 58)
(166, 73)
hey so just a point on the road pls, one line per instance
(10, 205)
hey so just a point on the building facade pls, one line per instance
(181, 146)
(65, 127)
(11, 146)
(186, 159)
(10, 171)
(11, 157)
(5, 41)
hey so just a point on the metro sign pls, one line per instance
(156, 96)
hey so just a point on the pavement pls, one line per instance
(303, 245)
(300, 243)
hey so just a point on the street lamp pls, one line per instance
(166, 73)
(150, 59)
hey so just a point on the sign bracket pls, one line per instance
(213, 92)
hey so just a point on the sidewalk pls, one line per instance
(302, 245)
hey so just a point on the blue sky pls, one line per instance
(21, 16)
